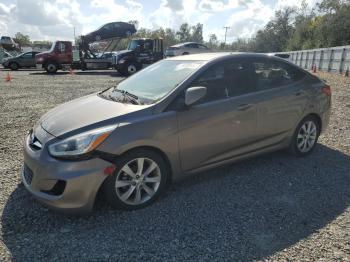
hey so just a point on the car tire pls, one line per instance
(130, 69)
(14, 66)
(139, 179)
(51, 68)
(305, 136)
(186, 53)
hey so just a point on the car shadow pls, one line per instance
(244, 211)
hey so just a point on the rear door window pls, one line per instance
(192, 46)
(273, 74)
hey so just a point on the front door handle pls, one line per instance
(244, 107)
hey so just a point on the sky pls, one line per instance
(56, 19)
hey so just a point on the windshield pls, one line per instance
(52, 48)
(133, 44)
(156, 81)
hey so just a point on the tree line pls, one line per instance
(325, 25)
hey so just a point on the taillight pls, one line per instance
(327, 90)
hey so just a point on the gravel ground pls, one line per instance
(274, 207)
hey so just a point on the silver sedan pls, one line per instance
(174, 118)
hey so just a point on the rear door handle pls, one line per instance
(244, 107)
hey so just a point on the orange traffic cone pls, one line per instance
(71, 72)
(314, 70)
(8, 78)
(347, 72)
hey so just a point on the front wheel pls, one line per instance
(141, 176)
(305, 137)
(51, 68)
(14, 66)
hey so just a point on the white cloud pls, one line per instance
(172, 16)
(218, 5)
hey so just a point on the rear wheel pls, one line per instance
(139, 179)
(14, 66)
(305, 136)
(51, 68)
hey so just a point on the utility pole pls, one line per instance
(226, 28)
(74, 34)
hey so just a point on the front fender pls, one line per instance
(157, 131)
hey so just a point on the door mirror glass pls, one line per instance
(194, 94)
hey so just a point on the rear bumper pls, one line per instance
(66, 186)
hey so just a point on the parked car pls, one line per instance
(8, 43)
(186, 49)
(111, 30)
(4, 56)
(174, 118)
(25, 60)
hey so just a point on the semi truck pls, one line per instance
(139, 53)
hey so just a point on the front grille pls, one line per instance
(27, 174)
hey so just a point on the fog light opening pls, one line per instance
(58, 188)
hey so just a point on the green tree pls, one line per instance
(184, 33)
(197, 33)
(276, 34)
(22, 39)
(334, 26)
(213, 41)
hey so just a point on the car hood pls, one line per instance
(121, 52)
(82, 112)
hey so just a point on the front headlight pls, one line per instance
(80, 144)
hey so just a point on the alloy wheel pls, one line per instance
(307, 136)
(138, 181)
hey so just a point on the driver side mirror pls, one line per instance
(194, 94)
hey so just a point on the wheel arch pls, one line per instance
(317, 117)
(14, 62)
(158, 151)
(151, 148)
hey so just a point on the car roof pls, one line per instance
(186, 43)
(213, 56)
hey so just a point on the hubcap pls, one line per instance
(307, 136)
(131, 69)
(138, 181)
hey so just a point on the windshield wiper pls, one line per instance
(126, 95)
